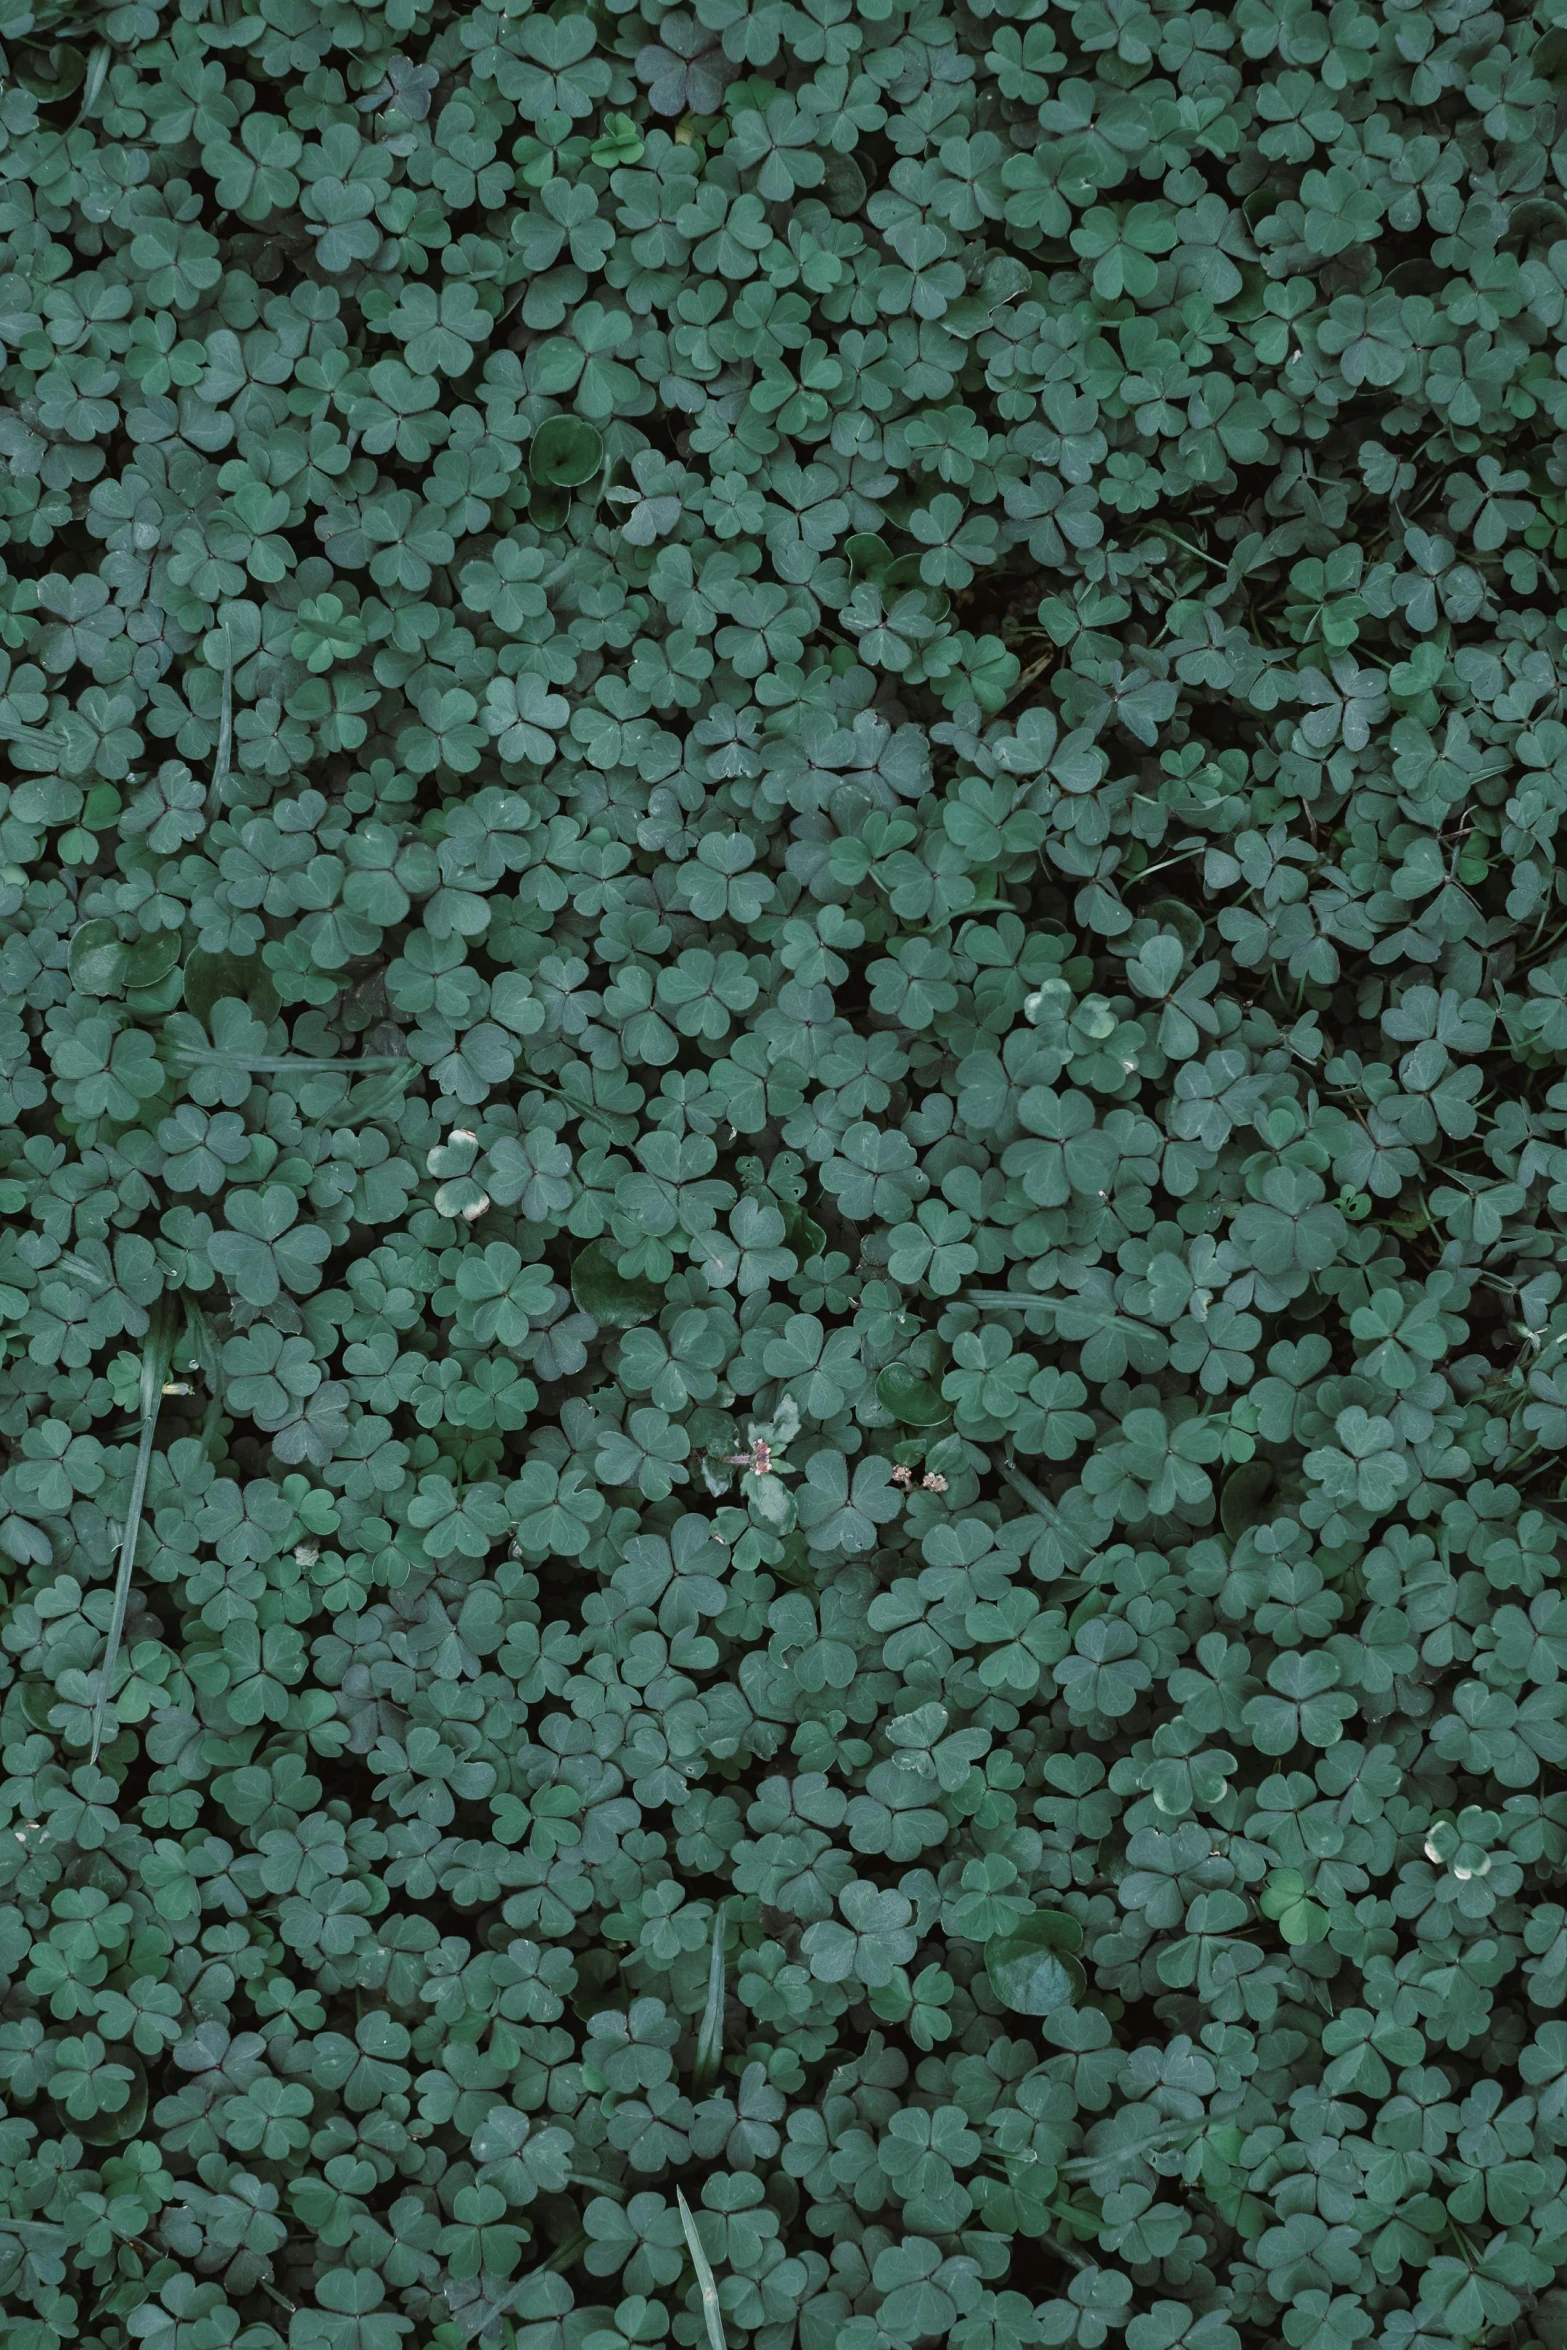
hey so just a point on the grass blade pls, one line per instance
(478, 2317)
(712, 2315)
(218, 788)
(373, 1096)
(38, 741)
(157, 1349)
(610, 2187)
(97, 74)
(1047, 1510)
(199, 1339)
(710, 2037)
(281, 1064)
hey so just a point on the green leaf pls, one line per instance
(565, 453)
(913, 1399)
(1243, 1497)
(602, 1291)
(211, 977)
(1031, 1967)
(98, 962)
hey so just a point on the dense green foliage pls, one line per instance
(783, 1156)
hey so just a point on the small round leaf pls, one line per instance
(1244, 1493)
(565, 453)
(602, 1291)
(209, 978)
(1031, 1967)
(99, 958)
(913, 1400)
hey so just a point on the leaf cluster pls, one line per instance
(783, 1152)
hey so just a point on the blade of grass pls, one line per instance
(619, 1126)
(199, 1339)
(78, 1269)
(282, 1064)
(39, 740)
(43, 2236)
(712, 2315)
(478, 2319)
(157, 1350)
(373, 1096)
(565, 2255)
(710, 2036)
(1112, 2162)
(1047, 1510)
(225, 753)
(97, 74)
(610, 2187)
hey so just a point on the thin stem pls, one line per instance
(1165, 532)
(157, 1349)
(1180, 857)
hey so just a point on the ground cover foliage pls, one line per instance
(783, 1155)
